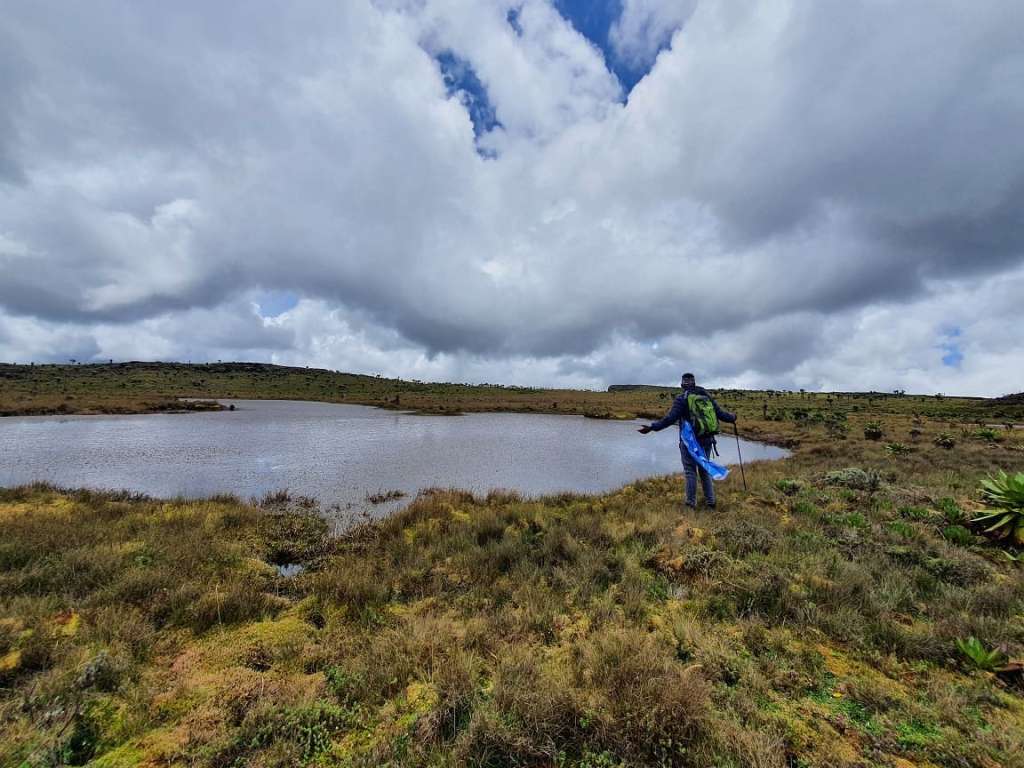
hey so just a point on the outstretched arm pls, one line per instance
(674, 414)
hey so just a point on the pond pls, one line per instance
(339, 454)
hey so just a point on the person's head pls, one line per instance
(689, 381)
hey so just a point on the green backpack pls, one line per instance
(702, 415)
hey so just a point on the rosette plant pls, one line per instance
(1004, 494)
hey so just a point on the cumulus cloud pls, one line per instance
(796, 194)
(647, 26)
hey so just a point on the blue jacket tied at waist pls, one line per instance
(688, 439)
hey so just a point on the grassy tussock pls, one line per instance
(810, 622)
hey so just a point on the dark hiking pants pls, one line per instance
(691, 469)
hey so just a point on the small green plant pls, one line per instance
(856, 520)
(945, 440)
(346, 687)
(873, 431)
(903, 529)
(957, 534)
(308, 729)
(915, 513)
(898, 449)
(806, 508)
(1005, 495)
(951, 511)
(788, 486)
(988, 435)
(980, 656)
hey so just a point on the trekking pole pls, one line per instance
(740, 454)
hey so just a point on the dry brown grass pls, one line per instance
(811, 621)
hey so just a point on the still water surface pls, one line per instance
(338, 453)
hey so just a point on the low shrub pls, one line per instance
(854, 478)
(915, 513)
(346, 686)
(742, 538)
(533, 712)
(987, 435)
(837, 428)
(957, 534)
(101, 672)
(951, 511)
(875, 698)
(355, 585)
(652, 707)
(296, 734)
(905, 530)
(789, 486)
(230, 603)
(898, 449)
(873, 431)
(457, 680)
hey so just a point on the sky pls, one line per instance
(825, 195)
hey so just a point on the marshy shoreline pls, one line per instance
(811, 621)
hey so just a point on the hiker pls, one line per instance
(697, 408)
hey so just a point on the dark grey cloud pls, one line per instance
(966, 241)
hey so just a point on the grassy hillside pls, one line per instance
(810, 622)
(149, 387)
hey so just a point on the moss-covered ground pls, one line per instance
(809, 621)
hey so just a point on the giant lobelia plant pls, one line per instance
(1004, 494)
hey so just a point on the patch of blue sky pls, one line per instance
(952, 355)
(591, 18)
(594, 19)
(274, 303)
(461, 81)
